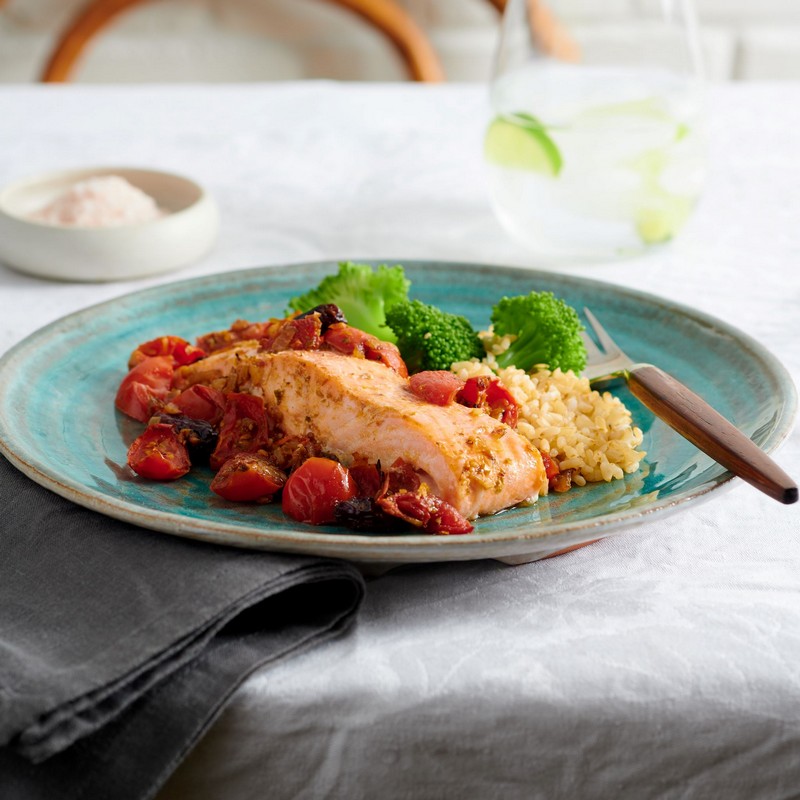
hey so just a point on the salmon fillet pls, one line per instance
(356, 407)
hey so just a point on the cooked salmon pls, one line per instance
(356, 407)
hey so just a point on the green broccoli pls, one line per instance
(362, 294)
(547, 331)
(430, 338)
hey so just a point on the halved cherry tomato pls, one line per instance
(248, 478)
(351, 341)
(144, 388)
(198, 435)
(387, 353)
(404, 496)
(240, 331)
(426, 511)
(328, 314)
(436, 386)
(314, 488)
(490, 395)
(557, 481)
(502, 404)
(244, 428)
(201, 402)
(302, 333)
(158, 454)
(551, 469)
(178, 349)
(345, 339)
(367, 477)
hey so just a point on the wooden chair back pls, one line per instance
(414, 47)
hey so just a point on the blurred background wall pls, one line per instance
(243, 40)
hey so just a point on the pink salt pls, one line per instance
(100, 202)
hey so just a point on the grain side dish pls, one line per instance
(582, 430)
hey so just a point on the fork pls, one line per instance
(687, 413)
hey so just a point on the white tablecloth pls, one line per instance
(664, 662)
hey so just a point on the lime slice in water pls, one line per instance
(662, 213)
(660, 222)
(651, 108)
(521, 143)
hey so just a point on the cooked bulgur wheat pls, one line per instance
(560, 414)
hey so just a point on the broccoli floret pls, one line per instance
(547, 331)
(430, 338)
(362, 294)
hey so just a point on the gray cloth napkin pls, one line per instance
(119, 646)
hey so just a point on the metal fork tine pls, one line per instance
(592, 350)
(609, 345)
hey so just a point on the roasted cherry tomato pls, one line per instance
(436, 386)
(314, 488)
(367, 477)
(198, 435)
(158, 454)
(145, 387)
(176, 348)
(490, 395)
(551, 469)
(387, 353)
(328, 314)
(351, 341)
(240, 331)
(502, 404)
(402, 495)
(557, 480)
(201, 402)
(248, 478)
(302, 333)
(244, 428)
(425, 511)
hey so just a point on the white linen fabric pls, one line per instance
(659, 663)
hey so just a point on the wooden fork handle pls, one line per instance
(708, 430)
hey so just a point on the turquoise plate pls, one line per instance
(59, 426)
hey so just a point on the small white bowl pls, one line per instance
(185, 233)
